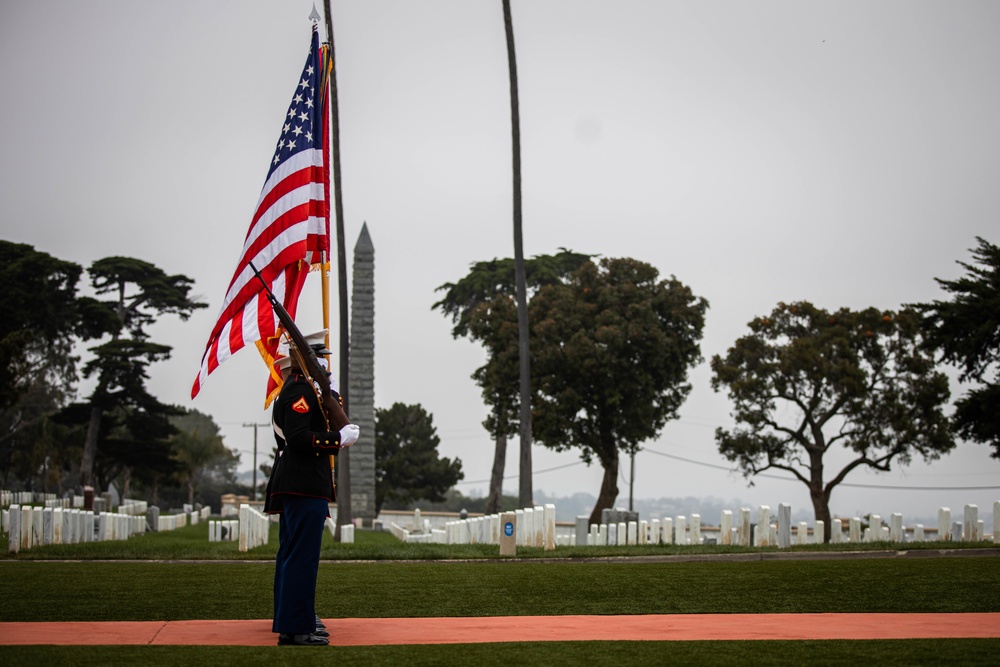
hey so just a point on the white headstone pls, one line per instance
(726, 527)
(836, 531)
(680, 530)
(47, 514)
(27, 518)
(944, 524)
(819, 533)
(918, 533)
(538, 527)
(895, 527)
(971, 524)
(784, 525)
(763, 532)
(743, 527)
(875, 524)
(633, 533)
(87, 522)
(695, 529)
(855, 529)
(802, 534)
(57, 525)
(612, 534)
(37, 525)
(14, 529)
(655, 532)
(668, 530)
(549, 515)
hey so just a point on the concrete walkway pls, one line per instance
(382, 631)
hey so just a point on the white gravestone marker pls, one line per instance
(726, 527)
(508, 534)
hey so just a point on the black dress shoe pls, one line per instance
(319, 623)
(321, 632)
(302, 640)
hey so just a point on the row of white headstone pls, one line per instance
(251, 530)
(8, 498)
(346, 530)
(535, 527)
(22, 498)
(174, 521)
(29, 526)
(779, 533)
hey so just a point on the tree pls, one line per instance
(482, 306)
(199, 451)
(43, 319)
(966, 331)
(140, 294)
(407, 464)
(611, 350)
(805, 380)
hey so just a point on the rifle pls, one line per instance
(308, 362)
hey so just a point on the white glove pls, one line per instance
(349, 435)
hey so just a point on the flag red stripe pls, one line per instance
(289, 228)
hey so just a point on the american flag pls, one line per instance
(290, 229)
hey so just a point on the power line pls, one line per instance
(536, 472)
(854, 486)
(886, 487)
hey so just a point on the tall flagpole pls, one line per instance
(344, 512)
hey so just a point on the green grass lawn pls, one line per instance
(155, 589)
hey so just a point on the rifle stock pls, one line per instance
(308, 361)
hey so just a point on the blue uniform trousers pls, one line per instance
(300, 535)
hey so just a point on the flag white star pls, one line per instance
(303, 84)
(303, 116)
(310, 70)
(291, 146)
(287, 127)
(309, 103)
(309, 137)
(297, 131)
(298, 99)
(291, 112)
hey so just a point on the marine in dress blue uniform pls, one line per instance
(299, 489)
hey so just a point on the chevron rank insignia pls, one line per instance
(301, 406)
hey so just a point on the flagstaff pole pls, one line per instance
(344, 511)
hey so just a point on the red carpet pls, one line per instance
(374, 631)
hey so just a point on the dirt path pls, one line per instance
(380, 631)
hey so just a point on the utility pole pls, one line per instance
(254, 426)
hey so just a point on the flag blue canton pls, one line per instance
(302, 118)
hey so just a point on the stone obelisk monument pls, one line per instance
(361, 371)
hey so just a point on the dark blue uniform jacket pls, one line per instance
(302, 466)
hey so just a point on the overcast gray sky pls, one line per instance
(845, 153)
